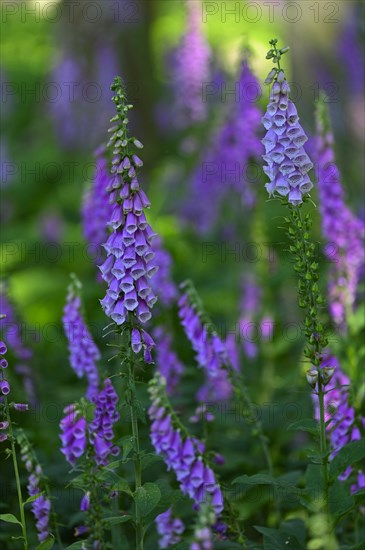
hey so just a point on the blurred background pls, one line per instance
(180, 62)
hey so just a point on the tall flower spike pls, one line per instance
(211, 354)
(83, 352)
(287, 162)
(101, 428)
(339, 225)
(182, 453)
(129, 264)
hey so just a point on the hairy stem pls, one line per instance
(137, 458)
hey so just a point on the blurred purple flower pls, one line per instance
(211, 354)
(182, 454)
(339, 413)
(343, 231)
(96, 209)
(169, 529)
(12, 331)
(167, 362)
(101, 433)
(190, 70)
(83, 353)
(223, 170)
(162, 283)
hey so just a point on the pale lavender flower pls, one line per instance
(287, 162)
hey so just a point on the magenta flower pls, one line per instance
(74, 434)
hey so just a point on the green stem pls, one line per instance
(323, 442)
(137, 459)
(17, 478)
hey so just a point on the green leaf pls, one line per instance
(265, 479)
(75, 545)
(276, 538)
(32, 499)
(122, 486)
(9, 518)
(147, 497)
(115, 520)
(347, 456)
(127, 444)
(148, 459)
(46, 544)
(305, 425)
(340, 502)
(312, 496)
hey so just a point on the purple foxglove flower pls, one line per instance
(170, 529)
(190, 70)
(287, 161)
(101, 427)
(209, 356)
(85, 502)
(182, 455)
(342, 230)
(73, 447)
(83, 353)
(129, 295)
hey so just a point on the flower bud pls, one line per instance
(326, 374)
(312, 377)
